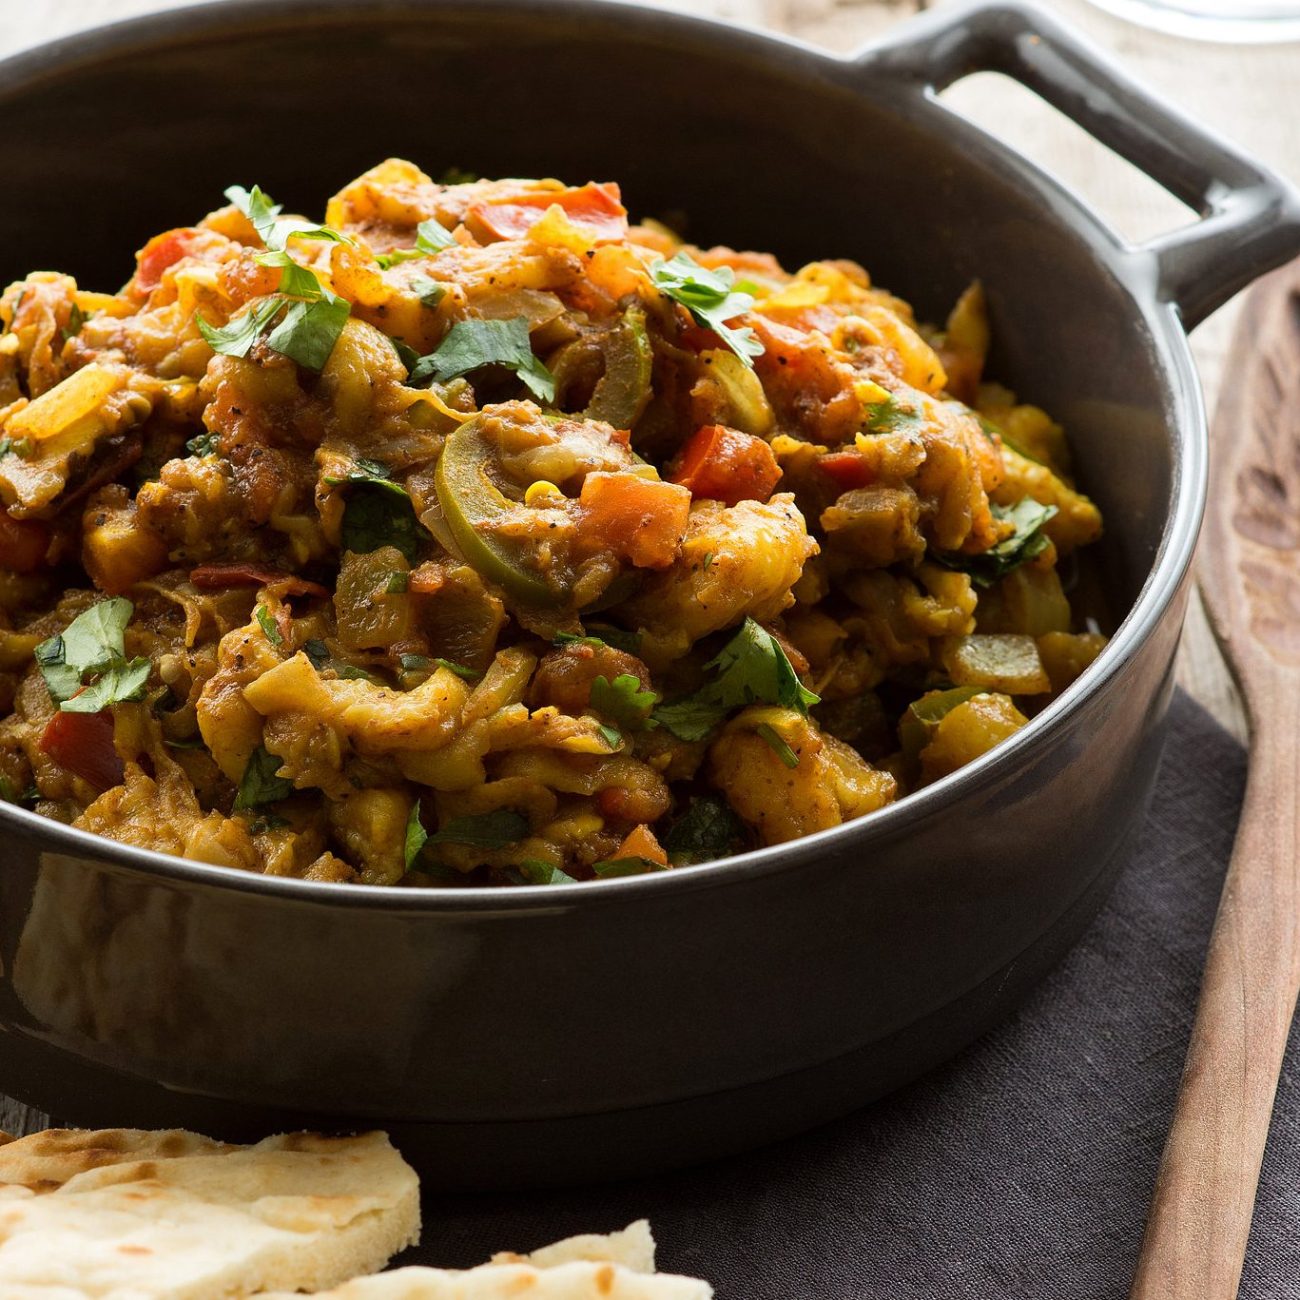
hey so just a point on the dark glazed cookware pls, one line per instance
(521, 1035)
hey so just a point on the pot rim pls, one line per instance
(1183, 416)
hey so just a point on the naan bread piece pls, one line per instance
(633, 1248)
(581, 1280)
(617, 1266)
(127, 1215)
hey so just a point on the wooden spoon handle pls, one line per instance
(1205, 1191)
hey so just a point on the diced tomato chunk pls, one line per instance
(642, 520)
(23, 544)
(83, 743)
(596, 208)
(159, 253)
(849, 469)
(726, 465)
(218, 577)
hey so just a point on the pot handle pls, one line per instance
(1250, 216)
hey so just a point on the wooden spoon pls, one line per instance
(1249, 576)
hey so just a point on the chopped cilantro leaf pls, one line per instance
(406, 354)
(469, 674)
(491, 830)
(751, 669)
(317, 652)
(93, 645)
(275, 231)
(889, 417)
(380, 514)
(369, 471)
(472, 344)
(708, 829)
(416, 836)
(20, 447)
(623, 701)
(712, 298)
(309, 331)
(1026, 541)
(610, 735)
(260, 784)
(118, 683)
(536, 872)
(76, 319)
(777, 744)
(203, 444)
(354, 672)
(397, 582)
(267, 620)
(10, 794)
(692, 718)
(237, 336)
(429, 292)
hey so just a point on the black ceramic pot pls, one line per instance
(524, 1035)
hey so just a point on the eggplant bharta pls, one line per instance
(475, 536)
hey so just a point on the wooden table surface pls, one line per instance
(1244, 92)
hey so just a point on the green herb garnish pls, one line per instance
(473, 344)
(93, 646)
(260, 784)
(379, 513)
(889, 417)
(469, 674)
(1025, 542)
(751, 669)
(490, 830)
(623, 701)
(310, 316)
(777, 744)
(708, 829)
(712, 298)
(365, 470)
(20, 447)
(535, 872)
(76, 319)
(203, 444)
(317, 652)
(267, 621)
(416, 836)
(429, 292)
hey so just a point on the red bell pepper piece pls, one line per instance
(849, 469)
(218, 577)
(596, 208)
(83, 743)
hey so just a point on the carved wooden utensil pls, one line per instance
(1250, 579)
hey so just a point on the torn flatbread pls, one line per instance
(617, 1266)
(121, 1212)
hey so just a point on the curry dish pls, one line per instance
(476, 536)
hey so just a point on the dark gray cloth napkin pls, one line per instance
(1020, 1170)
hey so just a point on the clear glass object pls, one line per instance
(1214, 20)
